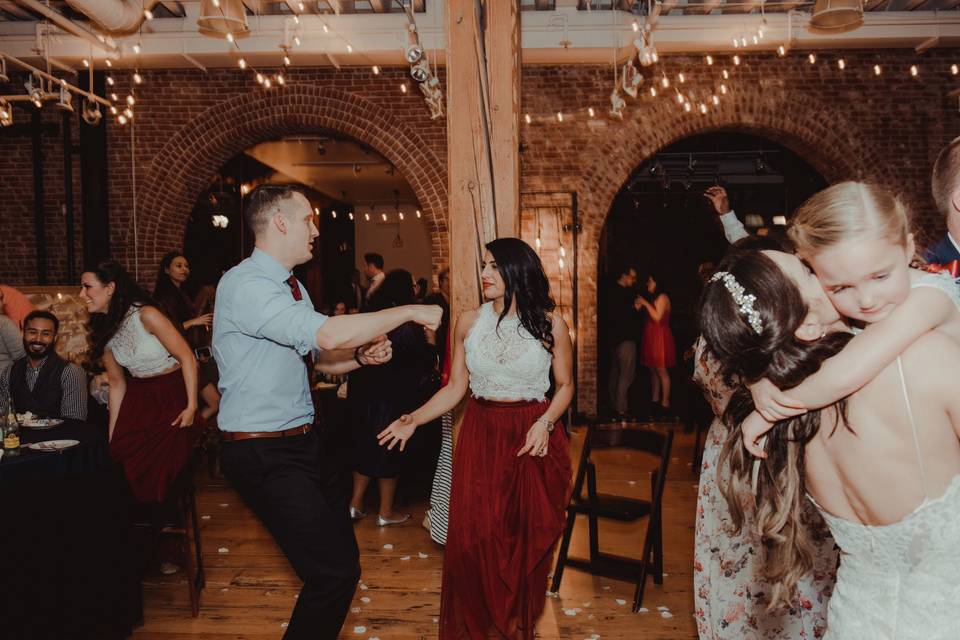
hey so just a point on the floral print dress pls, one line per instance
(729, 590)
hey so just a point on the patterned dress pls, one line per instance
(730, 593)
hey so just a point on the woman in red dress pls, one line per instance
(511, 467)
(153, 381)
(658, 351)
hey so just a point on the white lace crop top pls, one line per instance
(505, 362)
(138, 350)
(942, 281)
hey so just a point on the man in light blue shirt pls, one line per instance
(263, 326)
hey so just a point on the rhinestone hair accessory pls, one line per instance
(743, 299)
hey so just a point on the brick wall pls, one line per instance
(847, 124)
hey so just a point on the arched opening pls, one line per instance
(362, 203)
(661, 224)
(183, 169)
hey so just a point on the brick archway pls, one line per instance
(181, 170)
(821, 134)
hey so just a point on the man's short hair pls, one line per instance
(625, 270)
(443, 275)
(46, 315)
(374, 258)
(262, 203)
(946, 177)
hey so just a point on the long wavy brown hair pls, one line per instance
(776, 354)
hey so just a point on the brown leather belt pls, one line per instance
(231, 436)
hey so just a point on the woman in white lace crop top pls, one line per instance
(153, 421)
(511, 469)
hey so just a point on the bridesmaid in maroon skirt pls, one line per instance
(511, 467)
(153, 421)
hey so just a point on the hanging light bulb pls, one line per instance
(756, 40)
(129, 113)
(301, 6)
(736, 43)
(259, 77)
(86, 63)
(130, 100)
(781, 51)
(418, 213)
(842, 64)
(527, 118)
(242, 63)
(715, 99)
(296, 19)
(229, 37)
(812, 58)
(954, 69)
(726, 74)
(665, 82)
(333, 214)
(216, 4)
(280, 80)
(736, 60)
(682, 78)
(403, 87)
(148, 14)
(376, 70)
(266, 83)
(400, 215)
(877, 70)
(384, 216)
(687, 107)
(137, 78)
(349, 48)
(709, 60)
(680, 99)
(326, 29)
(122, 119)
(366, 217)
(296, 40)
(653, 92)
(136, 49)
(723, 89)
(110, 80)
(703, 109)
(286, 60)
(560, 262)
(743, 42)
(114, 97)
(636, 26)
(537, 241)
(559, 116)
(563, 252)
(108, 62)
(914, 70)
(590, 111)
(350, 216)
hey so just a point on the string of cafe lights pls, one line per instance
(702, 100)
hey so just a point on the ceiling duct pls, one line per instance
(220, 17)
(115, 16)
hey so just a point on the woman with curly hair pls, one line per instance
(511, 467)
(153, 380)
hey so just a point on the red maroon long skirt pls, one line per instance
(151, 451)
(506, 515)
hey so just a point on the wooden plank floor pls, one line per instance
(251, 588)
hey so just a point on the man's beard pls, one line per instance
(37, 355)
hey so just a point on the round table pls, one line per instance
(68, 557)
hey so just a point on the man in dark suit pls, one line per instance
(946, 193)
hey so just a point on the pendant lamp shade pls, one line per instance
(220, 17)
(837, 15)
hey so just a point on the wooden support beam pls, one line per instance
(470, 197)
(503, 74)
(483, 136)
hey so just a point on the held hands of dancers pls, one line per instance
(378, 351)
(186, 417)
(538, 438)
(399, 431)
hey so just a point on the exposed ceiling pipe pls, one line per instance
(68, 25)
(115, 16)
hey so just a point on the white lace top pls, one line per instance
(138, 350)
(505, 362)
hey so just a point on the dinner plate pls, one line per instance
(53, 445)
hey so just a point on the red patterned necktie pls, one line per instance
(952, 267)
(294, 287)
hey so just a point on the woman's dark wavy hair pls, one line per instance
(127, 293)
(171, 298)
(775, 354)
(525, 281)
(395, 290)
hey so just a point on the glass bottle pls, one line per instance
(11, 434)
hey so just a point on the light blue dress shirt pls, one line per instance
(260, 335)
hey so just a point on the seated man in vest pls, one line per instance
(42, 382)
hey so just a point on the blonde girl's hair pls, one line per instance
(848, 210)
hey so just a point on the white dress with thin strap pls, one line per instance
(899, 581)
